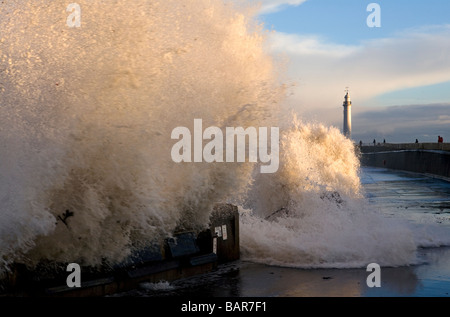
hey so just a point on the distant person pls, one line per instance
(374, 142)
(384, 141)
(417, 141)
(439, 139)
(360, 143)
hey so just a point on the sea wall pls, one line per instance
(414, 160)
(382, 147)
(183, 255)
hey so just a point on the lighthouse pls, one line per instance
(347, 115)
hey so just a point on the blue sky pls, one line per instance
(344, 21)
(404, 63)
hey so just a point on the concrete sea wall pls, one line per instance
(409, 158)
(185, 254)
(380, 147)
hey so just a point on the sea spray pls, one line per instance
(312, 213)
(87, 112)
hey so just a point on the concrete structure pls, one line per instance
(347, 115)
(426, 158)
(405, 146)
(225, 226)
(185, 254)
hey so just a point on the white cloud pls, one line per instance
(403, 123)
(322, 70)
(270, 6)
(304, 45)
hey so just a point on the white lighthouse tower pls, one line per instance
(347, 115)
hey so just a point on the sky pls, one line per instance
(398, 74)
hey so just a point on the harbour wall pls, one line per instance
(183, 255)
(427, 158)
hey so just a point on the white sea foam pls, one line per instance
(160, 286)
(323, 218)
